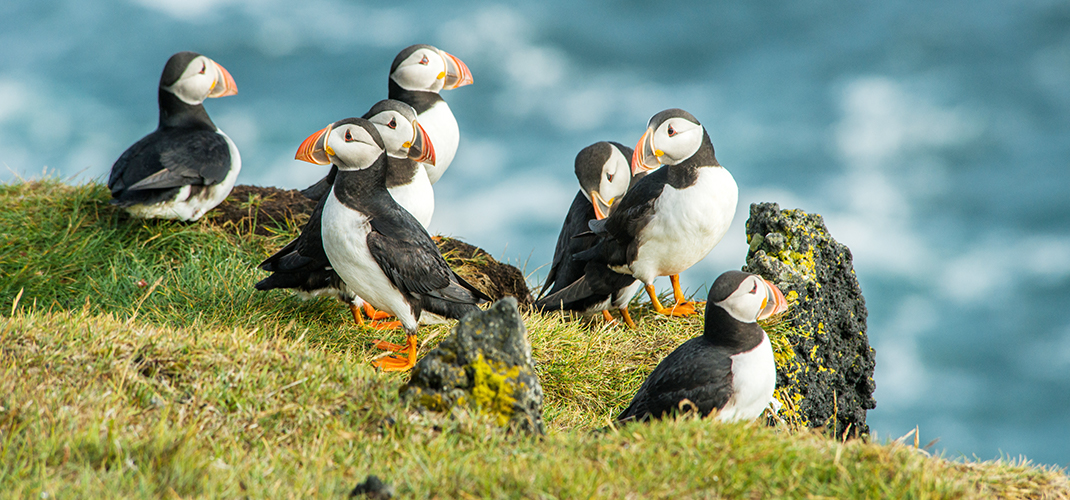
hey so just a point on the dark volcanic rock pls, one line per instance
(484, 364)
(374, 489)
(828, 380)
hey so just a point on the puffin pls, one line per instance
(669, 220)
(729, 368)
(186, 166)
(378, 249)
(604, 173)
(417, 75)
(302, 265)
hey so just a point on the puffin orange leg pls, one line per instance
(399, 363)
(608, 317)
(627, 317)
(356, 314)
(675, 310)
(373, 314)
(678, 294)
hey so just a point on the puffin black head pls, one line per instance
(744, 296)
(402, 133)
(672, 137)
(426, 68)
(193, 78)
(603, 172)
(350, 144)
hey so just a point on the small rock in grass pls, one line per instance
(485, 364)
(373, 488)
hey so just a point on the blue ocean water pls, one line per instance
(934, 138)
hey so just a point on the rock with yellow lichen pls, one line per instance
(485, 364)
(825, 369)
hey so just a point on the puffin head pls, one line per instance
(193, 78)
(402, 134)
(426, 68)
(746, 297)
(671, 137)
(603, 172)
(350, 144)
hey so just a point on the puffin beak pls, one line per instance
(457, 74)
(421, 149)
(601, 206)
(774, 303)
(645, 158)
(224, 83)
(315, 148)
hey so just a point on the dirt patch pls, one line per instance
(475, 265)
(261, 210)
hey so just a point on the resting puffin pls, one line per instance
(418, 74)
(671, 218)
(729, 368)
(303, 265)
(187, 166)
(604, 174)
(378, 249)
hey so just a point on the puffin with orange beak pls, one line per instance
(604, 173)
(377, 248)
(729, 368)
(187, 166)
(302, 265)
(417, 75)
(668, 220)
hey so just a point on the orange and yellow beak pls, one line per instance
(315, 148)
(601, 205)
(224, 83)
(646, 158)
(456, 74)
(421, 149)
(774, 302)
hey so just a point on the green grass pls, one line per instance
(139, 362)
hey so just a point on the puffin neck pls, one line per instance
(361, 189)
(420, 100)
(175, 112)
(724, 330)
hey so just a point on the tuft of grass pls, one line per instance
(137, 361)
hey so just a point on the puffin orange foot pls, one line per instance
(399, 363)
(373, 314)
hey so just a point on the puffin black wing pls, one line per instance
(166, 159)
(302, 263)
(411, 261)
(320, 189)
(620, 231)
(697, 371)
(565, 270)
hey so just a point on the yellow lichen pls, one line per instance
(494, 388)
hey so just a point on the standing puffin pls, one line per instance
(303, 265)
(379, 249)
(604, 174)
(417, 75)
(187, 166)
(729, 368)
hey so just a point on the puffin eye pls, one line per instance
(393, 123)
(204, 67)
(424, 61)
(349, 136)
(609, 177)
(754, 289)
(672, 131)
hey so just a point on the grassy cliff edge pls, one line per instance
(138, 361)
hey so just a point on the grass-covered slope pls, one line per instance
(139, 362)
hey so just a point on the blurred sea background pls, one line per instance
(934, 138)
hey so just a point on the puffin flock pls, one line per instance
(640, 213)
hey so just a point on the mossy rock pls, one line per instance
(485, 364)
(825, 379)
